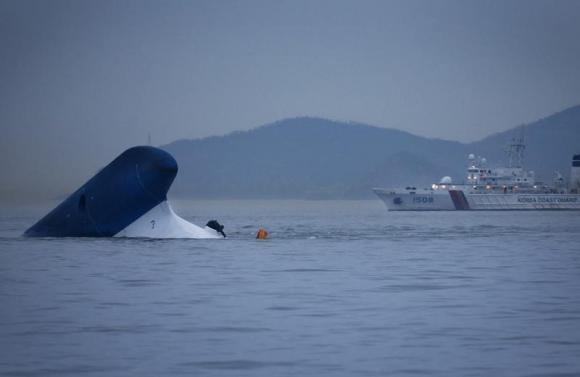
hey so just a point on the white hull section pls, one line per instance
(452, 200)
(523, 201)
(162, 222)
(420, 201)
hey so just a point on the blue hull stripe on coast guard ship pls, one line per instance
(116, 196)
(459, 200)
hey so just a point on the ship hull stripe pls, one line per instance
(459, 200)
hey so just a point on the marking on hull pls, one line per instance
(459, 200)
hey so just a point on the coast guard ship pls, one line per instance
(503, 188)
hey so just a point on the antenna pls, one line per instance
(149, 138)
(515, 150)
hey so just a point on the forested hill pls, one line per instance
(319, 158)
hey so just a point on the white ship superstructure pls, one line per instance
(503, 188)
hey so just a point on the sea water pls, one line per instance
(340, 288)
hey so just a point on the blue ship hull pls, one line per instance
(123, 191)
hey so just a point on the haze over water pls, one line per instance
(339, 289)
(81, 81)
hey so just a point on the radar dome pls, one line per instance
(446, 180)
(471, 156)
(484, 160)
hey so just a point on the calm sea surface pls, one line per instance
(341, 288)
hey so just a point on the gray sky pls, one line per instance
(82, 80)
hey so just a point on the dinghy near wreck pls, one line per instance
(127, 198)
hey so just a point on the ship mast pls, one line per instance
(515, 151)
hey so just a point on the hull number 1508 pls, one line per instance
(422, 199)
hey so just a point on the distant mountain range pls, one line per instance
(316, 158)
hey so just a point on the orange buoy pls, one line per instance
(262, 234)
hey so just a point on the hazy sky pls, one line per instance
(82, 80)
